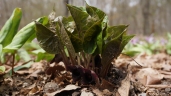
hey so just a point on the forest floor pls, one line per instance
(145, 76)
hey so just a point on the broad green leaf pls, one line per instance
(76, 42)
(100, 43)
(47, 39)
(44, 56)
(1, 47)
(24, 55)
(125, 40)
(110, 51)
(65, 38)
(94, 12)
(22, 36)
(69, 25)
(114, 31)
(100, 40)
(45, 22)
(80, 17)
(2, 69)
(89, 43)
(10, 28)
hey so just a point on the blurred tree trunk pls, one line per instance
(66, 9)
(146, 16)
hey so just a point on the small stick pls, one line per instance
(132, 59)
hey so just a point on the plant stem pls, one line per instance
(13, 61)
(89, 60)
(64, 57)
(93, 63)
(85, 60)
(72, 59)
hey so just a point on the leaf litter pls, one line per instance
(153, 78)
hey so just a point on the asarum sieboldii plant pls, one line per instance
(83, 41)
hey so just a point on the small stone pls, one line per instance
(50, 87)
(167, 89)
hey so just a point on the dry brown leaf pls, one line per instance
(67, 88)
(35, 73)
(84, 93)
(97, 92)
(148, 76)
(106, 92)
(123, 90)
(106, 85)
(159, 86)
(34, 90)
(153, 80)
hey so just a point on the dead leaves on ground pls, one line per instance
(153, 77)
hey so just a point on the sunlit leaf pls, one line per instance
(1, 47)
(10, 28)
(2, 69)
(24, 55)
(114, 31)
(22, 36)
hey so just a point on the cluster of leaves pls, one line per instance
(85, 37)
(11, 41)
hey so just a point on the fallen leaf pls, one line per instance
(34, 90)
(67, 88)
(84, 93)
(148, 76)
(97, 92)
(123, 90)
(106, 85)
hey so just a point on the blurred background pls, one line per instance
(144, 17)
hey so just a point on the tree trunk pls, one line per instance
(146, 15)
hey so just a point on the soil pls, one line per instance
(142, 75)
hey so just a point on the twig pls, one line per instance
(132, 59)
(13, 61)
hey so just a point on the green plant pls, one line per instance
(11, 40)
(86, 38)
(168, 45)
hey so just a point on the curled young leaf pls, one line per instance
(10, 28)
(23, 35)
